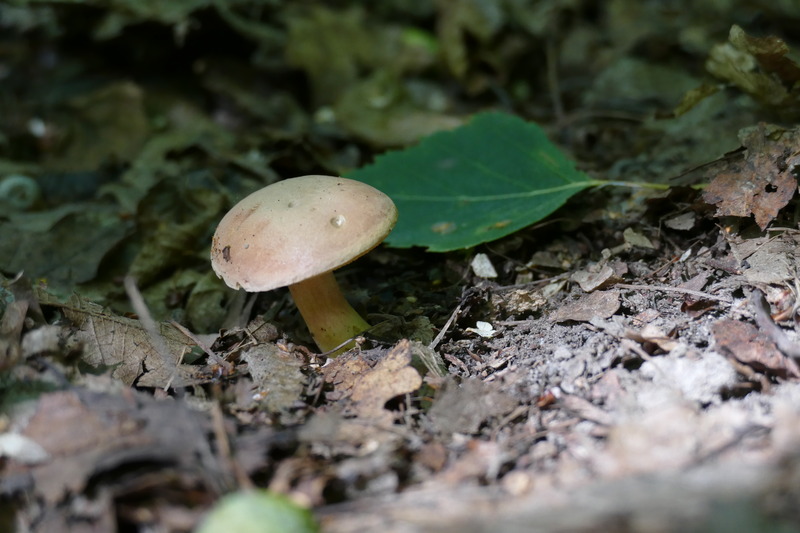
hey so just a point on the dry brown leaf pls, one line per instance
(367, 388)
(13, 319)
(651, 336)
(276, 374)
(770, 52)
(749, 346)
(518, 301)
(464, 408)
(592, 281)
(759, 66)
(122, 344)
(681, 222)
(770, 259)
(761, 183)
(598, 304)
(86, 433)
(695, 305)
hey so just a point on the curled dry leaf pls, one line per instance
(651, 337)
(591, 281)
(367, 387)
(760, 66)
(749, 346)
(761, 183)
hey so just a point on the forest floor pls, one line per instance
(630, 363)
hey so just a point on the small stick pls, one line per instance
(225, 453)
(680, 290)
(203, 346)
(435, 342)
(149, 325)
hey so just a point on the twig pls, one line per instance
(149, 325)
(435, 342)
(679, 290)
(202, 345)
(225, 455)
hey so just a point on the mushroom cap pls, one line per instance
(299, 228)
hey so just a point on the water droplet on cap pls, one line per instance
(338, 221)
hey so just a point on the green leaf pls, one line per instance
(477, 183)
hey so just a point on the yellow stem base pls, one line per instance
(328, 315)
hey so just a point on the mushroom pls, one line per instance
(296, 232)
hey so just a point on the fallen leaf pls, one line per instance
(598, 304)
(367, 388)
(749, 346)
(591, 281)
(769, 259)
(464, 408)
(85, 434)
(771, 52)
(682, 222)
(485, 180)
(276, 374)
(636, 239)
(518, 301)
(483, 329)
(696, 306)
(65, 251)
(693, 97)
(651, 336)
(122, 345)
(761, 183)
(762, 67)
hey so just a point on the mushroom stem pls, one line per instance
(329, 317)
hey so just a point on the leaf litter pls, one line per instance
(630, 373)
(763, 182)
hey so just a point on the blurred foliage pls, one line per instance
(258, 511)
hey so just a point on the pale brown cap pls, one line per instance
(298, 228)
